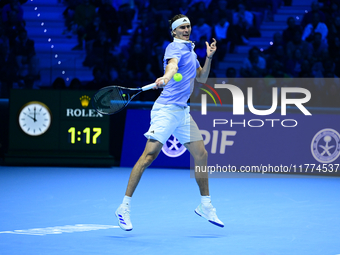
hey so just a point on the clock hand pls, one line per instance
(34, 115)
(30, 117)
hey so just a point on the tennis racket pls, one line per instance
(112, 99)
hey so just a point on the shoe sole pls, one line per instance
(121, 226)
(212, 222)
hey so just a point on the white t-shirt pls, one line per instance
(179, 92)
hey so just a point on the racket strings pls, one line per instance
(110, 101)
(101, 95)
(113, 99)
(116, 100)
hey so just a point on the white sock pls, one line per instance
(205, 200)
(127, 201)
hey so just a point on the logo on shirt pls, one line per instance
(173, 148)
(325, 145)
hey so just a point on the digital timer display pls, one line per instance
(87, 135)
(81, 136)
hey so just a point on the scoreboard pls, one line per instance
(57, 127)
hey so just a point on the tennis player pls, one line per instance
(170, 115)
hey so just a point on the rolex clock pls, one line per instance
(56, 127)
(34, 118)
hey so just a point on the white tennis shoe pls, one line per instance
(123, 215)
(209, 212)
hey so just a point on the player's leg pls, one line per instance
(163, 122)
(151, 151)
(189, 135)
(205, 209)
(200, 155)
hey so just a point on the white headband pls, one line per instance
(179, 22)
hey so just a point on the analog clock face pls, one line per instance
(35, 118)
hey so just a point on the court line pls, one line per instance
(60, 229)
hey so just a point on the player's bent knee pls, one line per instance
(148, 159)
(204, 155)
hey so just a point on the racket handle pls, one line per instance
(147, 87)
(150, 86)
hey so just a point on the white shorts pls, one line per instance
(167, 120)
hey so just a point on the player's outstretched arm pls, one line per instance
(203, 73)
(170, 70)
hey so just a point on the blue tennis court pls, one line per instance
(63, 210)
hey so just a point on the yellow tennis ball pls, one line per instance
(178, 77)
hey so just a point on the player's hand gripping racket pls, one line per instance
(112, 99)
